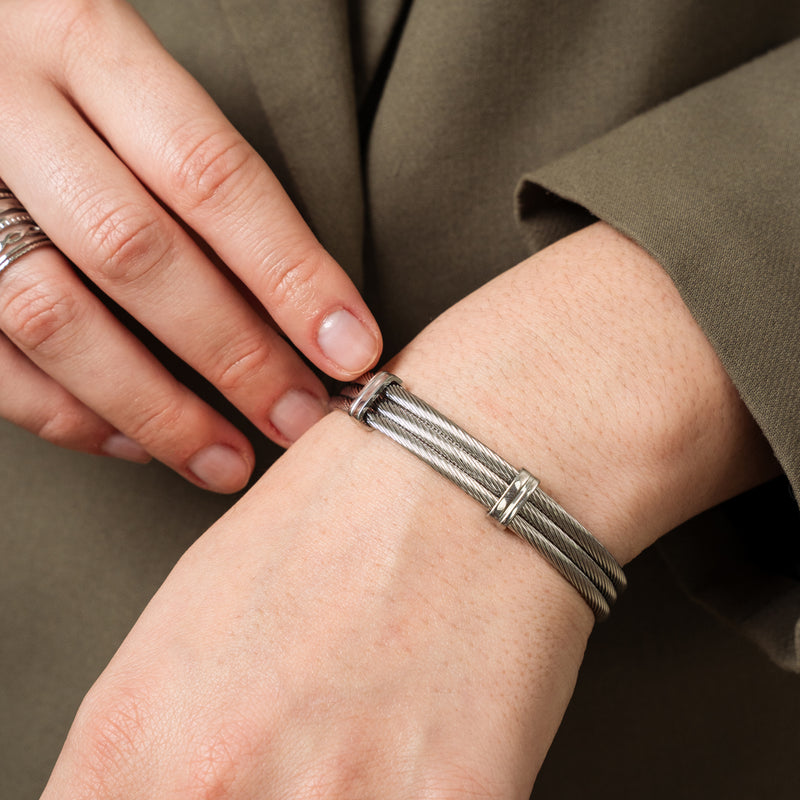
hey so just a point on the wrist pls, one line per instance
(392, 482)
(584, 366)
(510, 496)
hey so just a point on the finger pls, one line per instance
(172, 135)
(49, 315)
(32, 400)
(97, 212)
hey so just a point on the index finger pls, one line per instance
(171, 134)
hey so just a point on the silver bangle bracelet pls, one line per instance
(512, 497)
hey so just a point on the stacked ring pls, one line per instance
(19, 233)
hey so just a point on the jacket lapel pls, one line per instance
(302, 50)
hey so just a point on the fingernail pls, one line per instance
(220, 468)
(295, 413)
(346, 342)
(120, 446)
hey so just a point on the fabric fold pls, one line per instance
(707, 183)
(302, 70)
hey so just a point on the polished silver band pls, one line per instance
(512, 497)
(19, 233)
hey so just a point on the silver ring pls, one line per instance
(19, 233)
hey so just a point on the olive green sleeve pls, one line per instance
(709, 184)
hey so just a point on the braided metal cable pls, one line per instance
(578, 533)
(597, 602)
(506, 472)
(467, 464)
(511, 496)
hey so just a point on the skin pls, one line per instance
(124, 155)
(356, 627)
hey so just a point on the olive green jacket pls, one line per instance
(431, 145)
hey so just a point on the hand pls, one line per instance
(119, 155)
(355, 627)
(346, 644)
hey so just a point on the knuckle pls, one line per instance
(57, 35)
(110, 733)
(207, 168)
(126, 244)
(289, 281)
(153, 424)
(66, 427)
(217, 761)
(82, 13)
(36, 317)
(241, 363)
(75, 25)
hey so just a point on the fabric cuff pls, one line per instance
(707, 183)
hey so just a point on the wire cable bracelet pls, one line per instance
(512, 497)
